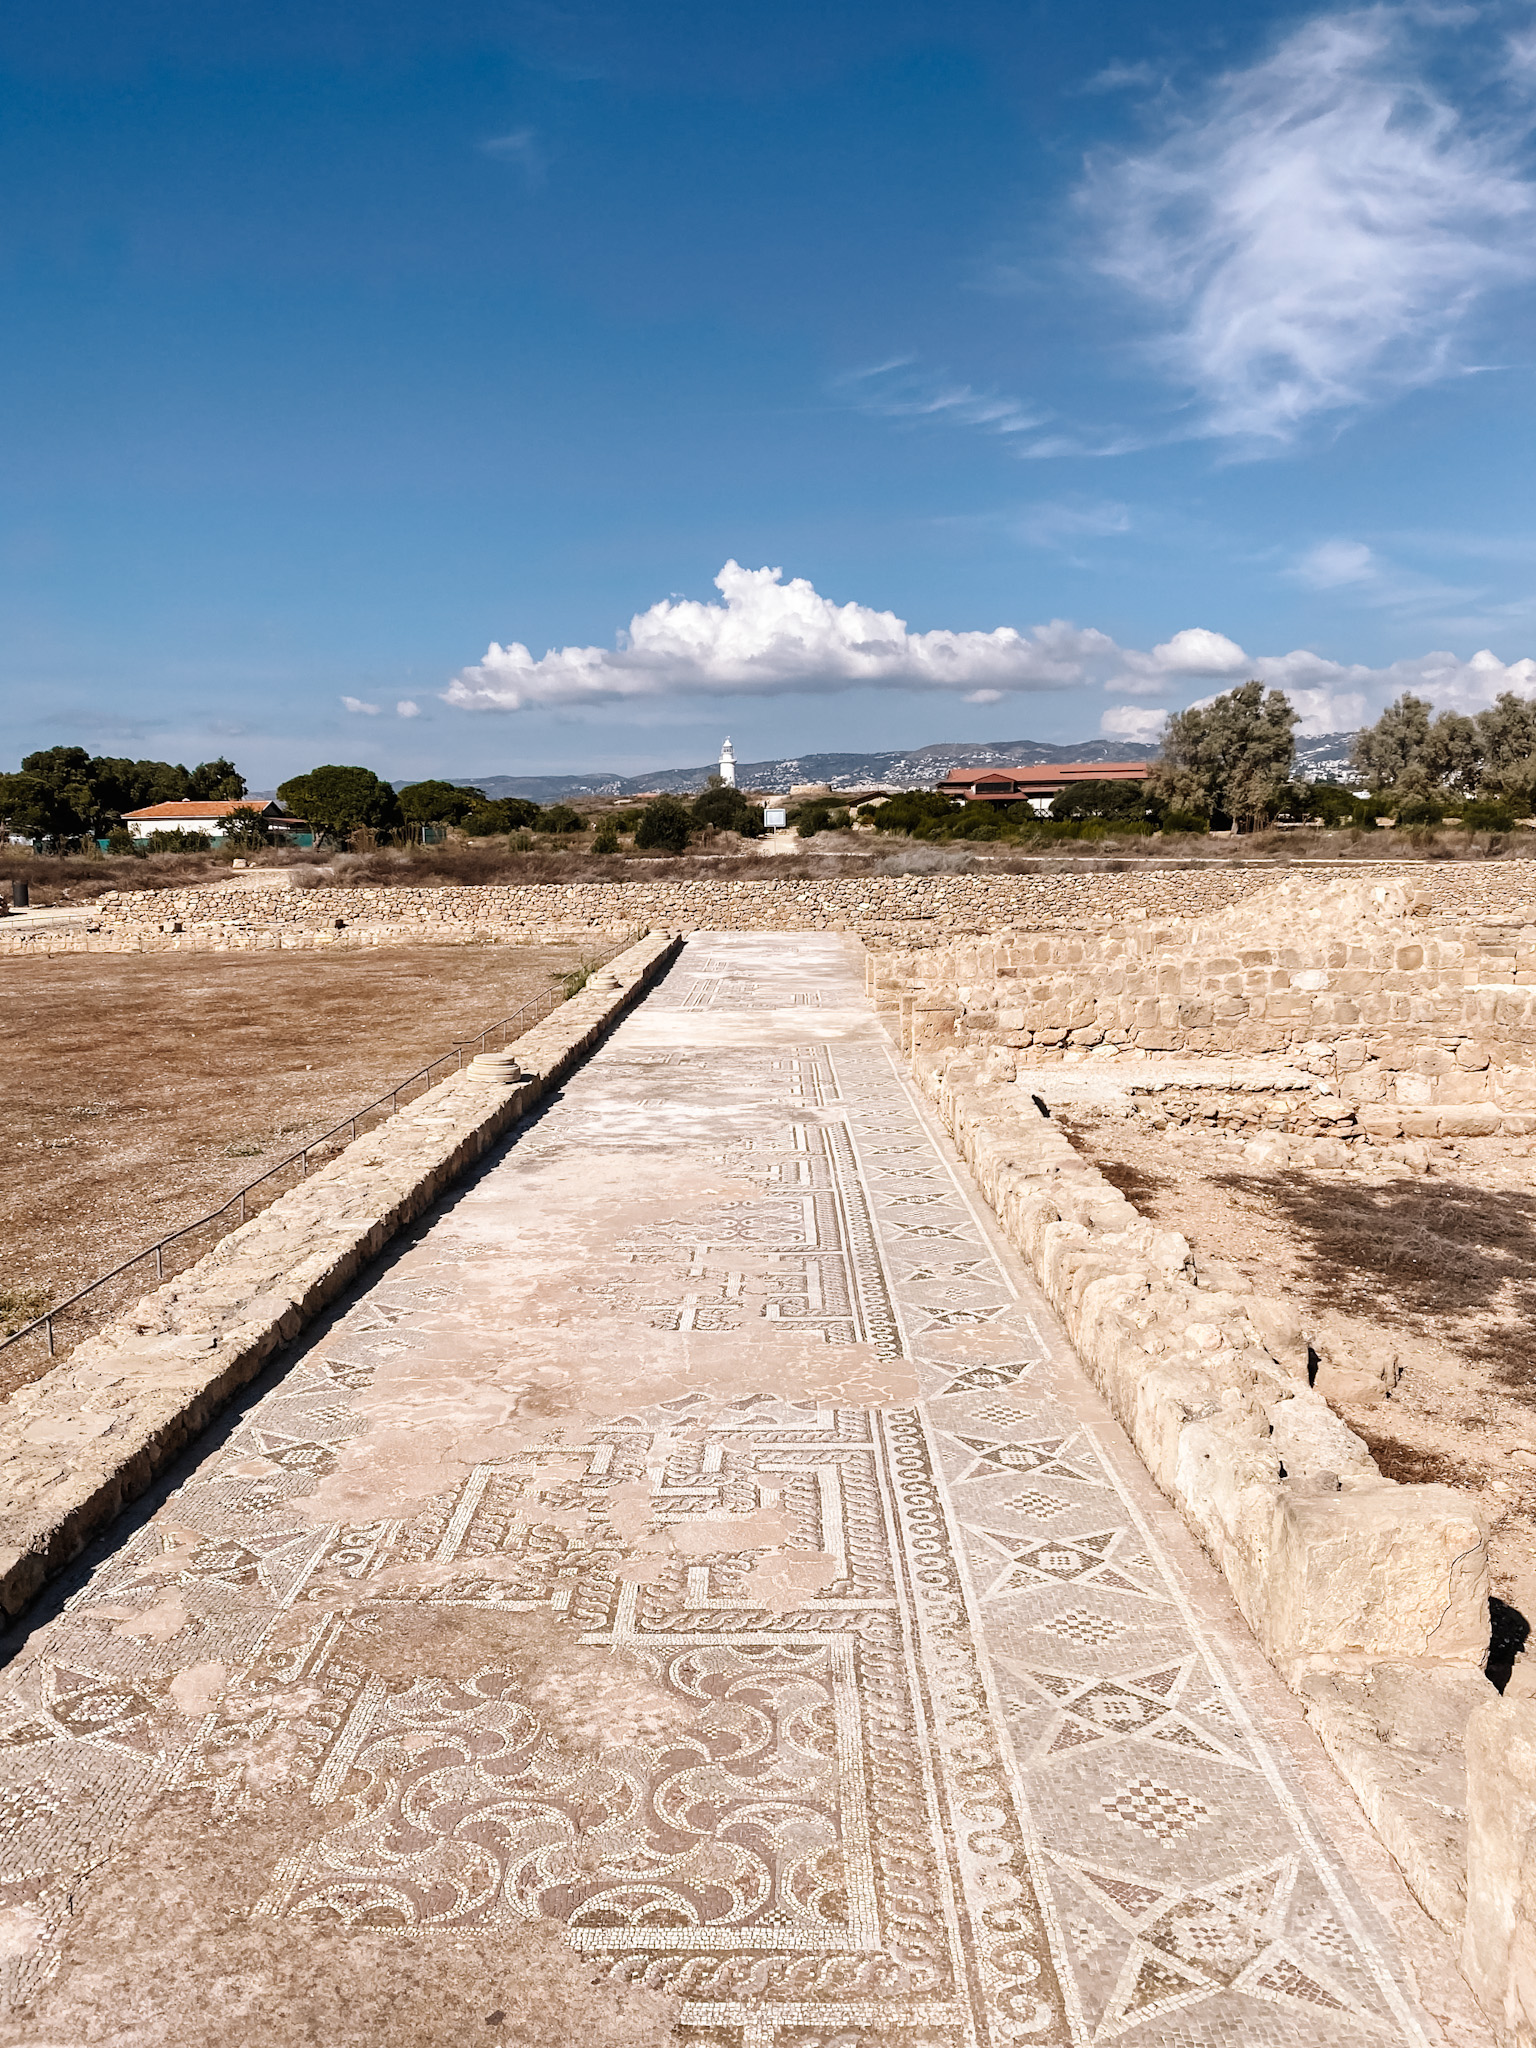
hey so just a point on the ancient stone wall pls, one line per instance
(1067, 901)
(1370, 1597)
(1415, 1025)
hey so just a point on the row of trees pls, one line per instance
(1232, 758)
(339, 800)
(64, 793)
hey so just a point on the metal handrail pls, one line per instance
(156, 1251)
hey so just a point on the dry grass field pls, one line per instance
(141, 1092)
(1442, 1266)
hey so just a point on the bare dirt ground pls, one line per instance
(139, 1093)
(1444, 1263)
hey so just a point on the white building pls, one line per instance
(728, 765)
(207, 815)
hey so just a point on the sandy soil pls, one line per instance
(1444, 1261)
(140, 1092)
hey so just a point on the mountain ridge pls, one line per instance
(899, 768)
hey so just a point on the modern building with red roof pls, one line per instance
(207, 815)
(1036, 784)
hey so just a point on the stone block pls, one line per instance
(1380, 1573)
(1397, 1734)
(1499, 1944)
(1471, 1121)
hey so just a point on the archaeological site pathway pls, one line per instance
(689, 1585)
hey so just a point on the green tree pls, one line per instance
(722, 809)
(561, 818)
(606, 837)
(1413, 755)
(502, 814)
(338, 800)
(1112, 799)
(1394, 752)
(1231, 756)
(1507, 732)
(218, 779)
(665, 826)
(29, 811)
(67, 801)
(1454, 757)
(245, 826)
(439, 803)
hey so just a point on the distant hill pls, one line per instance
(918, 768)
(1325, 757)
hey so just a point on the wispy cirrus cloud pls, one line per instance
(772, 638)
(1356, 571)
(1321, 232)
(1066, 524)
(903, 389)
(521, 147)
(1123, 78)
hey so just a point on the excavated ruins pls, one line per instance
(752, 1522)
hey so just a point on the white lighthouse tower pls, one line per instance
(728, 765)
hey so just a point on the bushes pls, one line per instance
(561, 818)
(909, 811)
(665, 826)
(820, 815)
(1420, 811)
(726, 810)
(1485, 816)
(1116, 799)
(175, 842)
(502, 814)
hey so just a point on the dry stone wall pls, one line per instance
(1065, 900)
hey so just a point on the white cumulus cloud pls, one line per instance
(407, 707)
(1130, 722)
(357, 704)
(1317, 234)
(769, 638)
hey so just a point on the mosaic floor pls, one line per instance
(698, 1537)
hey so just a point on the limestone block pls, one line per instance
(1312, 1444)
(1499, 1944)
(1470, 1121)
(1377, 1573)
(1383, 1120)
(1354, 1368)
(1397, 1733)
(1364, 1084)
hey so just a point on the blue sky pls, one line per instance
(440, 387)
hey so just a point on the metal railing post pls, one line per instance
(159, 1264)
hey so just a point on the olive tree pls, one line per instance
(1230, 756)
